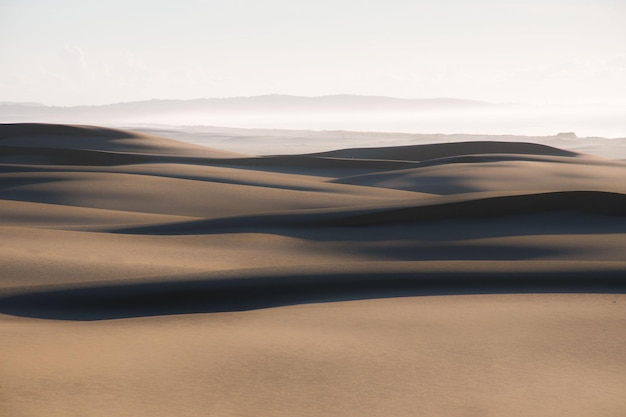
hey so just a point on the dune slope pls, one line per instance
(144, 276)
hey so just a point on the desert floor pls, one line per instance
(143, 276)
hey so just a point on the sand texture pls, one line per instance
(143, 276)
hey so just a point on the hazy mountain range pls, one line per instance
(338, 112)
(267, 104)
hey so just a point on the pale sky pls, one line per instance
(72, 52)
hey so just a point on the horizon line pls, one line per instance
(269, 95)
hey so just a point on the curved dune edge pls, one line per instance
(428, 209)
(593, 202)
(444, 150)
(43, 138)
(498, 172)
(272, 287)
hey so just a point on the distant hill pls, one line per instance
(339, 112)
(151, 110)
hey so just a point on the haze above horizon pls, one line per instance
(71, 52)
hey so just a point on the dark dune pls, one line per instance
(466, 206)
(593, 202)
(73, 138)
(249, 290)
(503, 157)
(53, 156)
(309, 162)
(444, 150)
(10, 130)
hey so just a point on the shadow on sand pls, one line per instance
(212, 295)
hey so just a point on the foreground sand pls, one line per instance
(143, 276)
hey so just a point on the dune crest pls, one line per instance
(443, 150)
(75, 138)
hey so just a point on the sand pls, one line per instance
(144, 276)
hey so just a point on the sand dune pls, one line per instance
(460, 175)
(145, 276)
(74, 138)
(278, 141)
(442, 150)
